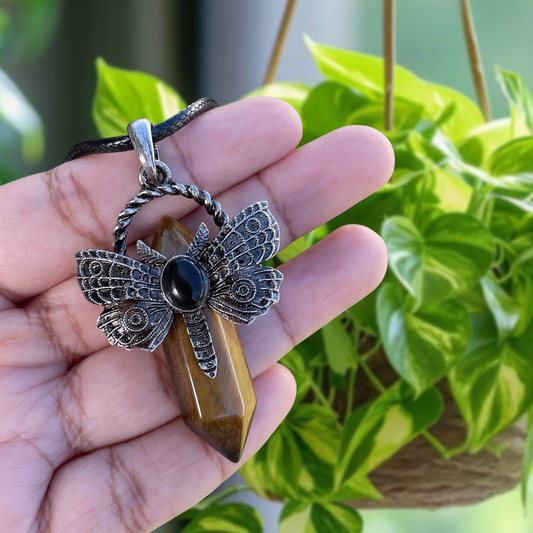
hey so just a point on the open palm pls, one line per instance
(90, 435)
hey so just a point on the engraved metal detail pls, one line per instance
(201, 342)
(137, 315)
(141, 297)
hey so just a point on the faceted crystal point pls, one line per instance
(220, 409)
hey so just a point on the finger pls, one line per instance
(140, 484)
(116, 395)
(309, 187)
(49, 216)
(315, 183)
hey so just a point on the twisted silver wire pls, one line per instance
(165, 186)
(147, 194)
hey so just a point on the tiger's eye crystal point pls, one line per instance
(220, 409)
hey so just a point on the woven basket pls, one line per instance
(417, 477)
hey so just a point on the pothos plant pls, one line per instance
(456, 304)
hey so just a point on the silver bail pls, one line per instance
(140, 132)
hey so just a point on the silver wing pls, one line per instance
(132, 324)
(135, 314)
(242, 289)
(246, 294)
(150, 256)
(248, 239)
(200, 241)
(106, 278)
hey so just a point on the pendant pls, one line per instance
(218, 410)
(188, 293)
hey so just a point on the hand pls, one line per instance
(90, 435)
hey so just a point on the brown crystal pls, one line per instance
(219, 410)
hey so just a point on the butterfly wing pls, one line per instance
(107, 278)
(136, 314)
(250, 238)
(200, 241)
(136, 324)
(246, 294)
(150, 256)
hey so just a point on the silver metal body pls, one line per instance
(137, 313)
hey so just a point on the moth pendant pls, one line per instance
(141, 297)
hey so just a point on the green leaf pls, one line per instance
(294, 361)
(365, 73)
(424, 345)
(504, 309)
(19, 114)
(354, 489)
(478, 146)
(213, 499)
(363, 313)
(328, 106)
(452, 193)
(465, 115)
(125, 95)
(319, 518)
(515, 89)
(339, 346)
(371, 211)
(377, 430)
(522, 292)
(296, 247)
(292, 93)
(315, 427)
(513, 157)
(452, 255)
(493, 382)
(227, 518)
(407, 115)
(296, 462)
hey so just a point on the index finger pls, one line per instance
(47, 217)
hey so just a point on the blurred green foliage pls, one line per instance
(456, 304)
(124, 95)
(26, 27)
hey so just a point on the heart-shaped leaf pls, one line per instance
(292, 93)
(227, 518)
(448, 258)
(319, 518)
(378, 429)
(297, 462)
(477, 147)
(422, 345)
(504, 309)
(365, 73)
(465, 115)
(513, 157)
(515, 89)
(339, 346)
(493, 382)
(126, 95)
(328, 106)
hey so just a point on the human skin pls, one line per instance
(90, 435)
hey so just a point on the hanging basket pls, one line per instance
(418, 477)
